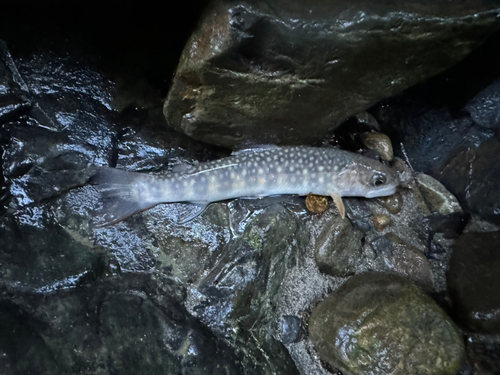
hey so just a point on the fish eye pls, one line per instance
(378, 180)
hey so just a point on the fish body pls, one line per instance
(252, 173)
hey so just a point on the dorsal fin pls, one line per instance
(254, 148)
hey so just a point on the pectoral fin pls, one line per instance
(337, 199)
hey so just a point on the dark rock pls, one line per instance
(130, 323)
(379, 324)
(13, 90)
(59, 271)
(451, 137)
(474, 177)
(483, 356)
(368, 119)
(382, 245)
(451, 225)
(398, 257)
(429, 137)
(338, 247)
(267, 72)
(474, 281)
(485, 107)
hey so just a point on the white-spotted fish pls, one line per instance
(249, 173)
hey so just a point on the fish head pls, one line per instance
(369, 179)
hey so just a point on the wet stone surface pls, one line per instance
(473, 280)
(378, 324)
(232, 291)
(267, 73)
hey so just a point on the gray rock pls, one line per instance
(337, 247)
(474, 281)
(437, 197)
(378, 324)
(289, 329)
(267, 73)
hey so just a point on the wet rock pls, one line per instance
(437, 197)
(266, 73)
(474, 177)
(118, 282)
(378, 324)
(452, 139)
(358, 212)
(473, 281)
(381, 221)
(484, 108)
(131, 322)
(337, 248)
(451, 226)
(398, 257)
(380, 143)
(13, 99)
(368, 119)
(483, 355)
(289, 329)
(392, 203)
(427, 137)
(476, 224)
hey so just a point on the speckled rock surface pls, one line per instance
(378, 324)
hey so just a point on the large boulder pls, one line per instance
(382, 324)
(285, 73)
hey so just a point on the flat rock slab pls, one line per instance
(284, 73)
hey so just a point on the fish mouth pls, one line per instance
(382, 192)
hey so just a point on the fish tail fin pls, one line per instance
(122, 194)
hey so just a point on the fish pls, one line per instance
(251, 173)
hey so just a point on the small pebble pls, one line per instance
(380, 143)
(381, 221)
(316, 203)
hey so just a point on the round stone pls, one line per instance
(378, 323)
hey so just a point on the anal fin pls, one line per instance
(116, 210)
(337, 199)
